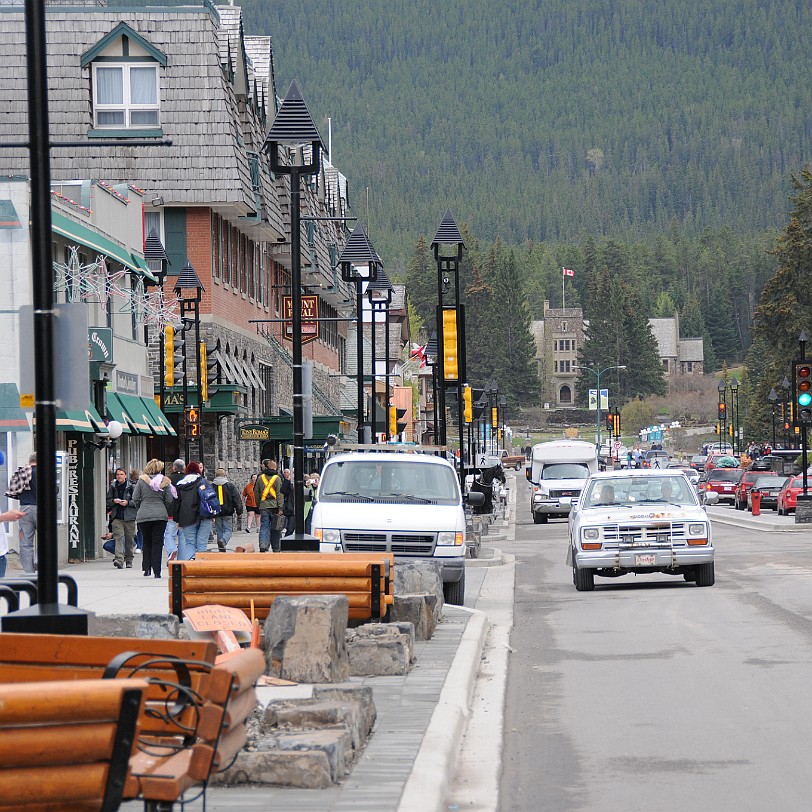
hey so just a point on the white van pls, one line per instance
(557, 473)
(409, 504)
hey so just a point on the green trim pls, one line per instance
(87, 421)
(137, 413)
(111, 132)
(127, 59)
(159, 420)
(85, 236)
(122, 30)
(116, 412)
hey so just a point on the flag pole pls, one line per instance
(563, 279)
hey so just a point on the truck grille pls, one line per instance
(399, 543)
(643, 535)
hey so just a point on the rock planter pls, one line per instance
(380, 649)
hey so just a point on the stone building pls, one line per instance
(679, 356)
(558, 338)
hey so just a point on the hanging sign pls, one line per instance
(310, 314)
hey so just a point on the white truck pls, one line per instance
(403, 502)
(557, 473)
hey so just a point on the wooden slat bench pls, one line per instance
(238, 579)
(67, 746)
(193, 718)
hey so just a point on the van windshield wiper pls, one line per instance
(408, 497)
(349, 493)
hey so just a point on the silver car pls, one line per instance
(639, 521)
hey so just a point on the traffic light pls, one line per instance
(209, 369)
(192, 421)
(450, 350)
(716, 429)
(400, 420)
(174, 356)
(494, 417)
(802, 381)
(393, 421)
(610, 422)
(467, 404)
(617, 424)
(722, 411)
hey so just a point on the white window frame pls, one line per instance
(127, 107)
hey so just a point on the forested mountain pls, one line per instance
(549, 121)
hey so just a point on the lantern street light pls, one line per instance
(722, 389)
(293, 128)
(785, 403)
(359, 265)
(773, 397)
(734, 418)
(379, 293)
(493, 400)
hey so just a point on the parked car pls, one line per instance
(641, 522)
(743, 487)
(698, 461)
(723, 481)
(656, 459)
(769, 487)
(787, 498)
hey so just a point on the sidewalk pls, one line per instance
(421, 716)
(767, 522)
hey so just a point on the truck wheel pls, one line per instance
(536, 518)
(455, 593)
(518, 467)
(584, 579)
(705, 575)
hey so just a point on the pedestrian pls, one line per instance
(138, 541)
(231, 503)
(251, 509)
(28, 522)
(186, 512)
(122, 515)
(10, 515)
(172, 533)
(153, 500)
(268, 494)
(311, 484)
(287, 493)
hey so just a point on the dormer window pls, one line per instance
(126, 81)
(126, 95)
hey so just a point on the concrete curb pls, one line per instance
(746, 523)
(427, 787)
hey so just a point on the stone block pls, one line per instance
(305, 638)
(380, 649)
(803, 511)
(335, 743)
(309, 769)
(351, 692)
(313, 714)
(418, 610)
(155, 627)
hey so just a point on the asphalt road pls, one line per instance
(653, 694)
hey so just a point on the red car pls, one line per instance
(744, 485)
(787, 499)
(718, 459)
(723, 482)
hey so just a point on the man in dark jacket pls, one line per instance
(28, 523)
(287, 493)
(122, 515)
(231, 503)
(270, 502)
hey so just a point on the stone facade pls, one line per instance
(558, 337)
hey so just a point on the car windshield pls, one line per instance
(389, 481)
(565, 470)
(632, 491)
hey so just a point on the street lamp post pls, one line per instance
(722, 389)
(359, 264)
(787, 427)
(293, 128)
(379, 293)
(773, 397)
(493, 418)
(734, 418)
(189, 282)
(597, 374)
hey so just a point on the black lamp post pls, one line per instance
(431, 360)
(157, 260)
(359, 264)
(722, 388)
(189, 290)
(734, 418)
(379, 293)
(502, 424)
(785, 387)
(493, 395)
(447, 246)
(773, 397)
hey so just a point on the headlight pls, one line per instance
(592, 533)
(327, 536)
(450, 539)
(697, 530)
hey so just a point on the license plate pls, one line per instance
(645, 560)
(727, 487)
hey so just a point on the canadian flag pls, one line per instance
(567, 272)
(419, 352)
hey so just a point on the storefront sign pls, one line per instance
(255, 432)
(173, 399)
(100, 344)
(73, 493)
(310, 312)
(126, 383)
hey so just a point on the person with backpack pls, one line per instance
(230, 503)
(194, 511)
(268, 493)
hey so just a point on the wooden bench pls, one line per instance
(192, 722)
(240, 579)
(67, 746)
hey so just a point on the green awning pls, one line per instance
(91, 239)
(116, 412)
(160, 422)
(137, 413)
(12, 417)
(89, 421)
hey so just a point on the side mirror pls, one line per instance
(575, 501)
(527, 474)
(475, 499)
(711, 497)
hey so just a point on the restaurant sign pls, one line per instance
(310, 315)
(255, 431)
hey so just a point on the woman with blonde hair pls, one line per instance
(153, 500)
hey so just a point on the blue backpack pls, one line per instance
(209, 503)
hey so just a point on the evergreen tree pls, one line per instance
(421, 281)
(478, 325)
